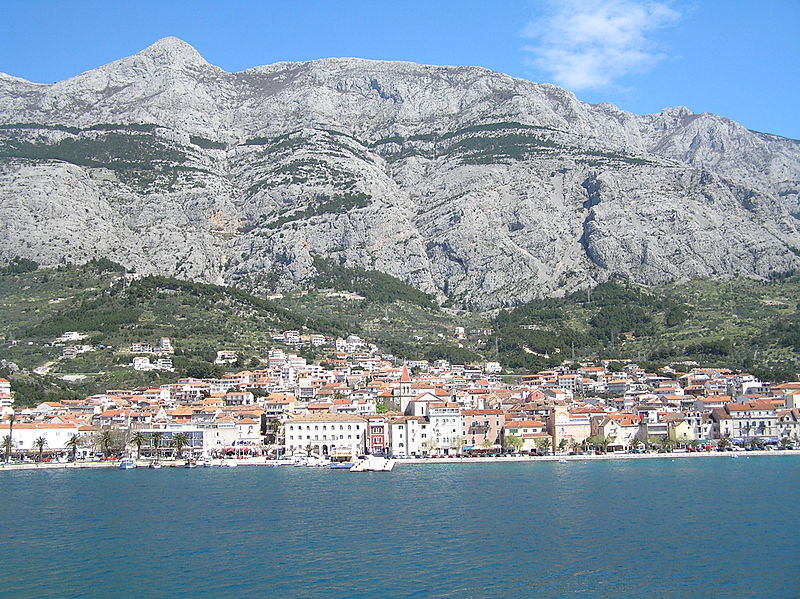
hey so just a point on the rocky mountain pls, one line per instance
(466, 183)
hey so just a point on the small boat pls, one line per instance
(562, 461)
(373, 464)
(127, 463)
(229, 463)
(190, 464)
(284, 462)
(341, 465)
(155, 465)
(207, 464)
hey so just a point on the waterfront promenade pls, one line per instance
(260, 461)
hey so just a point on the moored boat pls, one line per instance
(341, 465)
(373, 464)
(127, 463)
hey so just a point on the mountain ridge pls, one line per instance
(466, 183)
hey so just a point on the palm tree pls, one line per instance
(7, 447)
(513, 443)
(180, 441)
(546, 443)
(723, 444)
(39, 445)
(105, 440)
(10, 446)
(155, 441)
(72, 444)
(138, 439)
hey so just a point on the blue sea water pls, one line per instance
(645, 528)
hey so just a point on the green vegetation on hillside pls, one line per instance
(373, 285)
(744, 324)
(740, 324)
(18, 266)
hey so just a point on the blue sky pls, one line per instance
(736, 58)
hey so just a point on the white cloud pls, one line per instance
(587, 44)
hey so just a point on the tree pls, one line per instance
(544, 445)
(562, 445)
(599, 442)
(104, 441)
(513, 443)
(180, 441)
(72, 444)
(457, 443)
(9, 446)
(39, 445)
(380, 408)
(138, 439)
(155, 441)
(724, 443)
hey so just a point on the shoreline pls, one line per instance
(432, 461)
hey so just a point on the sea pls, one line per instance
(637, 528)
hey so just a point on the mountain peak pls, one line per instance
(173, 51)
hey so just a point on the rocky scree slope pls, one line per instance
(466, 183)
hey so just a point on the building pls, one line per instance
(409, 436)
(532, 432)
(325, 434)
(482, 427)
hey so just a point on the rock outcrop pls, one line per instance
(463, 182)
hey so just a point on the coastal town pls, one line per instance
(361, 402)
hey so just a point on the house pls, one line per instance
(445, 427)
(479, 427)
(377, 433)
(532, 432)
(752, 420)
(620, 430)
(409, 436)
(572, 426)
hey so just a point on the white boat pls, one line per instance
(155, 465)
(190, 463)
(127, 463)
(373, 464)
(229, 463)
(284, 462)
(207, 463)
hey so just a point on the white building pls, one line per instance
(325, 434)
(56, 435)
(445, 427)
(409, 436)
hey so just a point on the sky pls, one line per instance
(736, 58)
